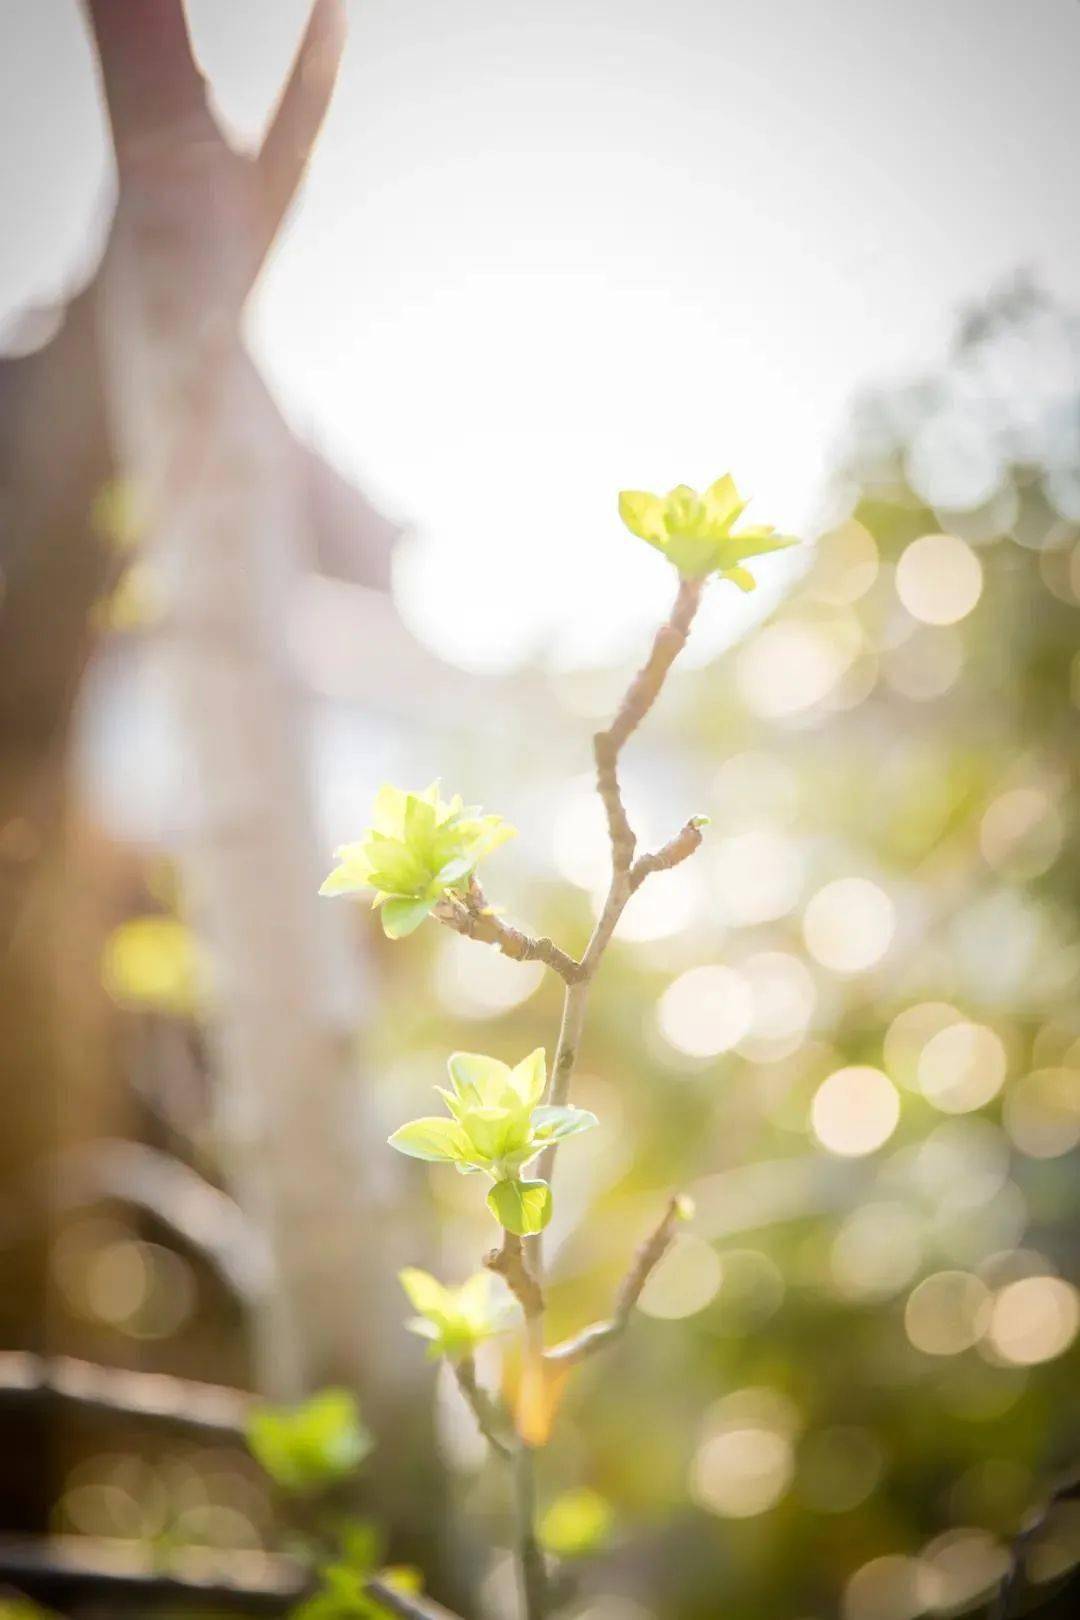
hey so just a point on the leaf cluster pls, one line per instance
(418, 848)
(497, 1125)
(695, 532)
(456, 1320)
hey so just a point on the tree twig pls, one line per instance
(678, 849)
(473, 917)
(489, 1418)
(407, 1605)
(532, 1571)
(645, 1261)
(510, 1263)
(607, 746)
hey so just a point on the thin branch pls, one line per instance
(532, 1571)
(668, 643)
(300, 112)
(113, 1391)
(678, 849)
(473, 917)
(510, 1263)
(407, 1605)
(626, 876)
(490, 1419)
(648, 1257)
(643, 691)
(566, 1049)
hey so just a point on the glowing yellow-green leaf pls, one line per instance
(402, 917)
(352, 872)
(456, 1320)
(742, 577)
(522, 1207)
(478, 1080)
(417, 849)
(643, 514)
(424, 1292)
(696, 532)
(495, 1133)
(553, 1124)
(529, 1077)
(722, 501)
(437, 1140)
(388, 810)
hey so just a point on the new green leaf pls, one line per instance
(456, 1320)
(696, 532)
(497, 1123)
(418, 848)
(439, 1141)
(553, 1124)
(522, 1207)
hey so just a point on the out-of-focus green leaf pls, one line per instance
(576, 1523)
(309, 1447)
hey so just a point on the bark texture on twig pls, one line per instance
(510, 1263)
(626, 875)
(648, 1257)
(490, 1419)
(473, 917)
(678, 849)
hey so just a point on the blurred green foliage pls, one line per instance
(309, 1447)
(851, 1032)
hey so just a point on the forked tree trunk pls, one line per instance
(210, 461)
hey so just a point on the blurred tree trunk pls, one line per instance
(52, 446)
(211, 462)
(148, 379)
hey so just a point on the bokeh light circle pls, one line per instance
(855, 1111)
(947, 1313)
(706, 1010)
(939, 579)
(1033, 1319)
(849, 924)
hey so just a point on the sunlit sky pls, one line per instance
(548, 251)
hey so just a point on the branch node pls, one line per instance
(472, 917)
(509, 1263)
(490, 1420)
(645, 1261)
(678, 849)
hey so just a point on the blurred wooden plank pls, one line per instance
(62, 1570)
(154, 1396)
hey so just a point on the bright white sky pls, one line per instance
(550, 250)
